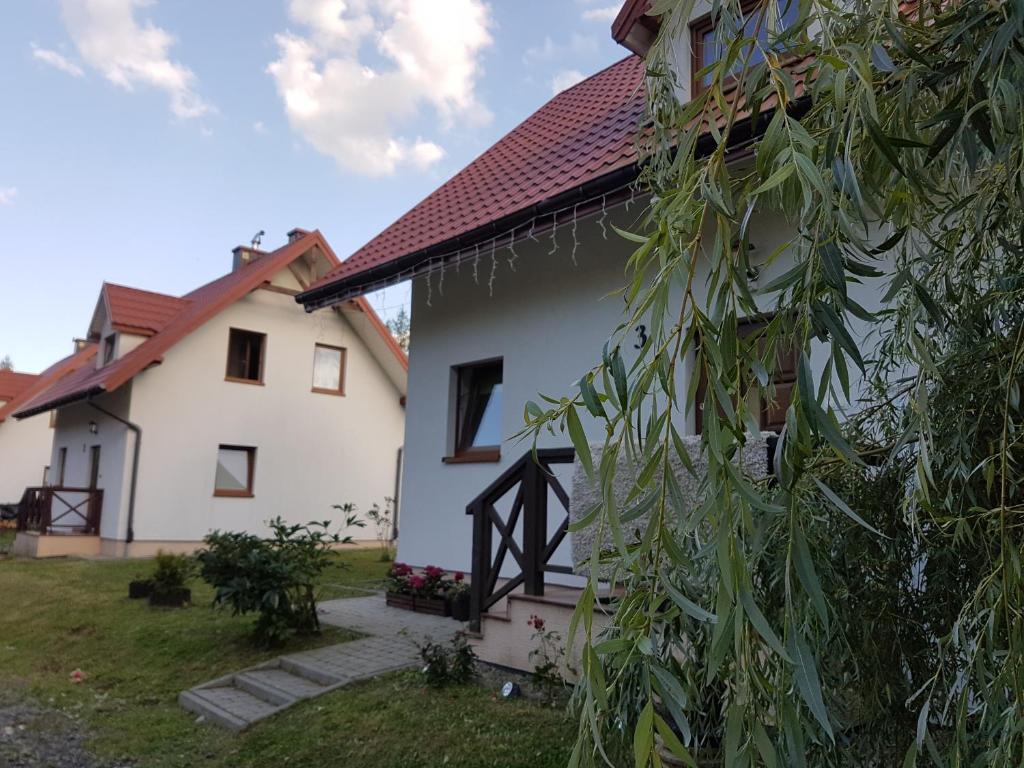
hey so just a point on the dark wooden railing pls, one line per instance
(58, 509)
(530, 480)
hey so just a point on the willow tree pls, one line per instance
(864, 608)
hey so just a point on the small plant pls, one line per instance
(547, 658)
(451, 664)
(274, 577)
(167, 584)
(382, 521)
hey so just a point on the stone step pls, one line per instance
(278, 686)
(308, 670)
(227, 706)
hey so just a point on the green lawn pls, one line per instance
(61, 615)
(6, 540)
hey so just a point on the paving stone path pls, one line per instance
(238, 700)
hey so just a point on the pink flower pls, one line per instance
(459, 576)
(416, 582)
(433, 572)
(77, 676)
(536, 622)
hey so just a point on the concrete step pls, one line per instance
(278, 686)
(227, 706)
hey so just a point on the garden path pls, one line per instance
(238, 700)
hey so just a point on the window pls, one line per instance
(709, 42)
(771, 411)
(108, 348)
(245, 356)
(235, 466)
(62, 461)
(329, 369)
(477, 422)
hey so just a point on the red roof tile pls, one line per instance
(13, 384)
(142, 312)
(48, 378)
(583, 133)
(193, 310)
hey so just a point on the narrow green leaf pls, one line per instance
(805, 669)
(764, 629)
(643, 736)
(842, 506)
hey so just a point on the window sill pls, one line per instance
(335, 392)
(233, 494)
(234, 380)
(488, 456)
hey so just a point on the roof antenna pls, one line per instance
(257, 239)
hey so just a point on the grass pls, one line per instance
(6, 540)
(61, 615)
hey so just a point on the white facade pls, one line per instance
(24, 454)
(312, 450)
(548, 320)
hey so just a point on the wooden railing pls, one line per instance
(530, 480)
(61, 510)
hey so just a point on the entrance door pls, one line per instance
(94, 467)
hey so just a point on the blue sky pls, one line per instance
(142, 140)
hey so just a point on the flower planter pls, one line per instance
(176, 597)
(436, 606)
(398, 600)
(460, 606)
(140, 588)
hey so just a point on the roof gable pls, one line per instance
(193, 310)
(131, 310)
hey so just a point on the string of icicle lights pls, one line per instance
(506, 241)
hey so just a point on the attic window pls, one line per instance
(328, 369)
(245, 356)
(109, 345)
(709, 40)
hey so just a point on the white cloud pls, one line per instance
(578, 45)
(608, 13)
(353, 110)
(128, 53)
(259, 127)
(57, 61)
(566, 79)
(7, 195)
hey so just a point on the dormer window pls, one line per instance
(710, 36)
(109, 347)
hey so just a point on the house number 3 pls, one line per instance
(641, 337)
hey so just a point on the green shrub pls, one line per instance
(454, 663)
(274, 577)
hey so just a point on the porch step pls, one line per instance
(227, 706)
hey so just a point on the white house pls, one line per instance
(25, 444)
(513, 264)
(196, 411)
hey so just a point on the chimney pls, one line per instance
(80, 344)
(242, 255)
(296, 234)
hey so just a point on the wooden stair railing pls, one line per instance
(531, 480)
(68, 510)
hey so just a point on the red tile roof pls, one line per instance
(194, 309)
(582, 134)
(132, 310)
(13, 384)
(48, 378)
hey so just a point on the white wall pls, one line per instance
(548, 321)
(24, 453)
(313, 450)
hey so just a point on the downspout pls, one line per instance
(130, 533)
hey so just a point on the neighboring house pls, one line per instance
(513, 265)
(25, 445)
(197, 411)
